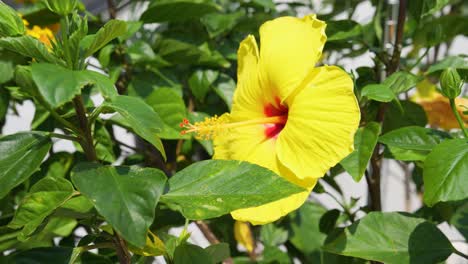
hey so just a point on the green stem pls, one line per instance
(101, 245)
(460, 253)
(458, 117)
(94, 115)
(62, 136)
(64, 28)
(9, 236)
(418, 61)
(58, 117)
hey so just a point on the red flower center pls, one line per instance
(272, 130)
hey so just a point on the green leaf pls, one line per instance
(218, 23)
(11, 23)
(178, 52)
(421, 8)
(4, 103)
(177, 10)
(272, 235)
(392, 238)
(200, 82)
(125, 196)
(7, 71)
(440, 29)
(265, 3)
(171, 108)
(55, 255)
(44, 197)
(141, 51)
(412, 115)
(29, 47)
(224, 86)
(132, 28)
(189, 254)
(412, 142)
(456, 62)
(58, 85)
(365, 140)
(460, 219)
(111, 30)
(342, 30)
(20, 156)
(213, 188)
(274, 255)
(24, 80)
(140, 117)
(42, 255)
(445, 172)
(104, 144)
(58, 165)
(378, 92)
(400, 82)
(328, 221)
(102, 83)
(305, 232)
(218, 252)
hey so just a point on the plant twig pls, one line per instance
(121, 249)
(205, 229)
(112, 9)
(101, 245)
(62, 136)
(460, 253)
(395, 60)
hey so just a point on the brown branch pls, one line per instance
(205, 229)
(87, 141)
(395, 61)
(112, 9)
(376, 159)
(121, 249)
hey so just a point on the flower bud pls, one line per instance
(61, 7)
(451, 83)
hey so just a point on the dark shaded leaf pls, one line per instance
(125, 196)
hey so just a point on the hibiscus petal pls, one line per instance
(322, 120)
(248, 98)
(290, 47)
(270, 212)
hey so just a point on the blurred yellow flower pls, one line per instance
(45, 35)
(287, 116)
(243, 235)
(437, 107)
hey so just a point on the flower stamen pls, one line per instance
(213, 126)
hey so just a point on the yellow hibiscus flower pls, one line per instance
(287, 116)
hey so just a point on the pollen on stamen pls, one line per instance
(205, 130)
